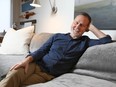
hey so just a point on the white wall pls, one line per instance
(61, 21)
(5, 14)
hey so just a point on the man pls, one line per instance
(57, 56)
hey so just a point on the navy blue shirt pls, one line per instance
(61, 52)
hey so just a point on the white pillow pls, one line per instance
(17, 41)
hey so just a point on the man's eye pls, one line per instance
(76, 22)
(82, 25)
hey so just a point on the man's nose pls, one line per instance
(78, 25)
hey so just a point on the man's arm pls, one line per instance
(96, 31)
(24, 64)
(36, 55)
(43, 50)
(103, 38)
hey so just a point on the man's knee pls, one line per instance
(18, 72)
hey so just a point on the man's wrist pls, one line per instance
(29, 59)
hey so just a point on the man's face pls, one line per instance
(79, 26)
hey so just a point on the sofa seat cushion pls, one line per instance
(6, 61)
(76, 80)
(99, 61)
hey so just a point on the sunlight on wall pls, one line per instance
(57, 23)
(54, 24)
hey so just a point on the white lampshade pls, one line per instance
(35, 3)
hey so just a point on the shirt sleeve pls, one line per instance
(103, 40)
(42, 51)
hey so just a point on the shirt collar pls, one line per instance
(69, 37)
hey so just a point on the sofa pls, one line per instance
(95, 68)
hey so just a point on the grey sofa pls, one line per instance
(96, 67)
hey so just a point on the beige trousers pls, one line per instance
(18, 78)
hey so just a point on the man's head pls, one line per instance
(80, 24)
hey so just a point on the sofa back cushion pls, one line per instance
(38, 40)
(100, 61)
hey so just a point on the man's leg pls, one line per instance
(15, 78)
(38, 77)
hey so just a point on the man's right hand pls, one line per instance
(23, 64)
(98, 33)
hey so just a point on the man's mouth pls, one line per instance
(76, 30)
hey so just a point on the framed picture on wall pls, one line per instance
(26, 5)
(103, 12)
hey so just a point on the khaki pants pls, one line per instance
(18, 78)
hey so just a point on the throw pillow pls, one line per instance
(17, 41)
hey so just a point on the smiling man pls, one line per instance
(57, 56)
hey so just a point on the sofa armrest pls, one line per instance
(99, 61)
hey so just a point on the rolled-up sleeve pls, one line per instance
(103, 40)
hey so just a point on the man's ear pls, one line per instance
(87, 30)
